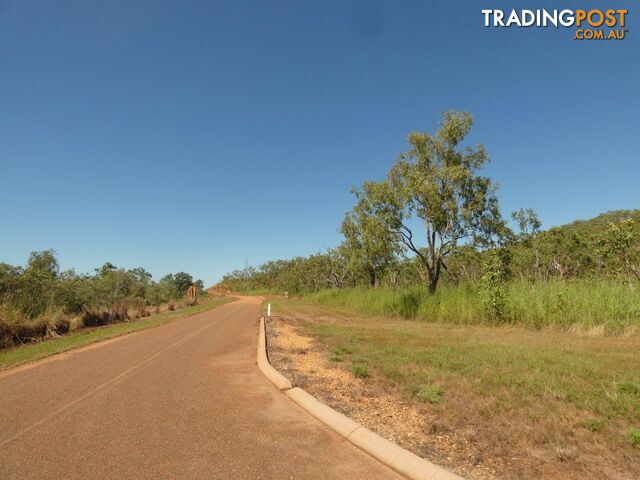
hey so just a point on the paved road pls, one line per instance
(184, 400)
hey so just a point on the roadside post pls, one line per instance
(268, 310)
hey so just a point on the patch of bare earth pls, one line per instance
(371, 402)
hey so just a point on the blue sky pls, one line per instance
(192, 135)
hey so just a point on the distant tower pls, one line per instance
(246, 263)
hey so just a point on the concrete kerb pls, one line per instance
(327, 415)
(392, 455)
(265, 367)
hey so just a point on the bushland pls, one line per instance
(38, 300)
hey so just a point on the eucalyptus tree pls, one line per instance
(525, 243)
(528, 222)
(368, 243)
(437, 182)
(339, 270)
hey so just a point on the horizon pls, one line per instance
(191, 139)
(217, 282)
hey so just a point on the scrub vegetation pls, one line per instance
(38, 301)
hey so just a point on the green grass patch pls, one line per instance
(592, 425)
(629, 388)
(634, 436)
(430, 393)
(596, 374)
(343, 351)
(360, 371)
(18, 355)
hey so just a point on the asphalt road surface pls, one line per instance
(184, 400)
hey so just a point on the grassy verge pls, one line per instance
(18, 355)
(545, 404)
(612, 306)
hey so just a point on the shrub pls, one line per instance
(493, 286)
(28, 332)
(23, 330)
(408, 304)
(140, 309)
(120, 312)
(61, 326)
(95, 318)
(6, 337)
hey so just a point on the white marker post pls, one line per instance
(268, 310)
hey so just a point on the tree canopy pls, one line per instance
(437, 181)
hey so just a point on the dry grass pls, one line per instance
(488, 402)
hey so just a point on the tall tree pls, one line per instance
(368, 243)
(525, 242)
(438, 182)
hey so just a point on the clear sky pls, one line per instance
(191, 135)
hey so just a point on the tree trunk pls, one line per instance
(434, 273)
(434, 277)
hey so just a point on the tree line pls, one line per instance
(435, 218)
(42, 297)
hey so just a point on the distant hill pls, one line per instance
(601, 222)
(572, 250)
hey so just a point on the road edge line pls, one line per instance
(394, 456)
